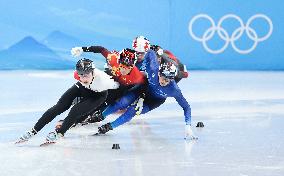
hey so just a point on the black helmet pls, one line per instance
(168, 69)
(84, 66)
(127, 57)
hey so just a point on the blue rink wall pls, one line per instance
(220, 34)
(227, 34)
(204, 34)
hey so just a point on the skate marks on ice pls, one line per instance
(239, 137)
(226, 147)
(45, 144)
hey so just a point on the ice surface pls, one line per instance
(243, 134)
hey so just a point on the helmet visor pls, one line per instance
(84, 72)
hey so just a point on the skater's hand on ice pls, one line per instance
(189, 133)
(77, 51)
(139, 106)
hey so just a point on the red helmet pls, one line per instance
(141, 44)
(127, 57)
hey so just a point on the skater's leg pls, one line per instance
(149, 104)
(125, 117)
(96, 115)
(62, 105)
(84, 107)
(122, 103)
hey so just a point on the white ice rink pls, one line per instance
(243, 114)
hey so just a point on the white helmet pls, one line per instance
(141, 44)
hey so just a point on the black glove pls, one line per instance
(94, 49)
(104, 128)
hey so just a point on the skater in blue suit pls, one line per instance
(160, 85)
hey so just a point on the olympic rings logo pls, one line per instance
(236, 34)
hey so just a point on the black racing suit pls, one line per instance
(89, 102)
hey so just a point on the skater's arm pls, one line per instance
(152, 65)
(97, 49)
(103, 82)
(137, 76)
(185, 106)
(189, 135)
(77, 51)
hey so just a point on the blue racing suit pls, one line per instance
(141, 65)
(154, 94)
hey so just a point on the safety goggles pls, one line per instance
(85, 75)
(167, 79)
(121, 66)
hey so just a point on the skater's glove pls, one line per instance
(189, 133)
(77, 51)
(139, 105)
(160, 52)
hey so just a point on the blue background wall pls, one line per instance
(51, 28)
(267, 55)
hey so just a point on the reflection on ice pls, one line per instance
(243, 133)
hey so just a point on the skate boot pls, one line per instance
(95, 117)
(104, 128)
(26, 136)
(52, 138)
(58, 124)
